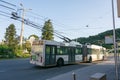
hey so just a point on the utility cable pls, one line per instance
(7, 7)
(4, 15)
(8, 3)
(5, 12)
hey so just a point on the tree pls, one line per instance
(28, 46)
(47, 31)
(33, 35)
(10, 37)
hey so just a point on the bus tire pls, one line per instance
(103, 58)
(90, 59)
(60, 62)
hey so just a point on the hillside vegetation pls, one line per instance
(99, 39)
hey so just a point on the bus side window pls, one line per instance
(78, 50)
(53, 49)
(89, 51)
(47, 50)
(64, 50)
(59, 51)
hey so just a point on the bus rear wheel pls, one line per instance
(60, 62)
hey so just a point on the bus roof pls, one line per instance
(51, 42)
(95, 47)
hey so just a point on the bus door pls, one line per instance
(50, 54)
(71, 54)
(85, 53)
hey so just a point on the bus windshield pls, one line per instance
(37, 49)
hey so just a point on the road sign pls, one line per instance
(108, 39)
(118, 7)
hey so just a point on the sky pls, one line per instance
(71, 18)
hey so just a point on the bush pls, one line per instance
(26, 55)
(20, 54)
(6, 52)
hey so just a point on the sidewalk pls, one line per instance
(84, 73)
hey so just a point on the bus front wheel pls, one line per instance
(60, 62)
(103, 58)
(90, 59)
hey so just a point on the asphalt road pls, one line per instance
(106, 67)
(21, 69)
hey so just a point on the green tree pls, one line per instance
(28, 46)
(47, 31)
(35, 36)
(10, 37)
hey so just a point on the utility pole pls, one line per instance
(114, 41)
(22, 24)
(22, 28)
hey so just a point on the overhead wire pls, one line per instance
(43, 18)
(74, 29)
(8, 3)
(7, 7)
(40, 17)
(4, 15)
(5, 12)
(32, 24)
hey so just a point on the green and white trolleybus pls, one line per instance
(48, 53)
(95, 52)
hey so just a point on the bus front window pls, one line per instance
(37, 49)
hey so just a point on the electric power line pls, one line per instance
(26, 21)
(30, 23)
(7, 7)
(42, 17)
(4, 15)
(7, 3)
(5, 12)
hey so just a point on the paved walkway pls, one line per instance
(84, 73)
